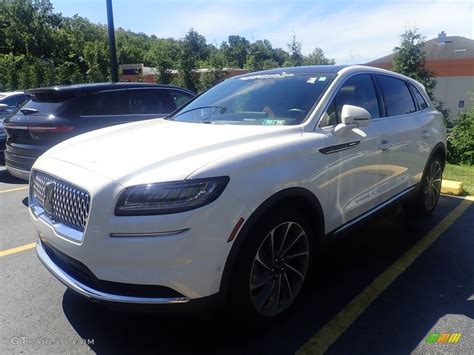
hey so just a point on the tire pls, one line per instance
(427, 198)
(273, 266)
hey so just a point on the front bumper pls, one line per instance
(184, 252)
(92, 293)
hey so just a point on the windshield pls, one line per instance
(265, 99)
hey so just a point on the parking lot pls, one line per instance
(381, 289)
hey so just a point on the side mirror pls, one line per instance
(352, 117)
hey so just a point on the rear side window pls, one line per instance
(396, 96)
(419, 98)
(359, 91)
(105, 103)
(150, 101)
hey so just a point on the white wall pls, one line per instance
(452, 89)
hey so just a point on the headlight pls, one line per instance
(169, 197)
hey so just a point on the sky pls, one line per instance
(349, 31)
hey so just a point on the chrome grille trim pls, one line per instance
(70, 204)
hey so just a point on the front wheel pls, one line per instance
(274, 266)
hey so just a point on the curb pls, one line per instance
(451, 187)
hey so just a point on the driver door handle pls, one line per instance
(425, 134)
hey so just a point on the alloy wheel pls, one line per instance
(279, 268)
(433, 185)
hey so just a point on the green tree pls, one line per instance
(260, 56)
(163, 55)
(409, 59)
(461, 140)
(295, 58)
(235, 51)
(317, 57)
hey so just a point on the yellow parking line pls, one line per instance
(11, 190)
(17, 249)
(328, 334)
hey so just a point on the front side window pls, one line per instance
(180, 97)
(150, 101)
(396, 96)
(358, 90)
(260, 99)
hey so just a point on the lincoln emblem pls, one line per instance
(48, 196)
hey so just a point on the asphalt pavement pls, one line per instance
(434, 294)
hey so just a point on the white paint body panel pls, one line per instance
(260, 161)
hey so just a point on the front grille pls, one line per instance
(67, 204)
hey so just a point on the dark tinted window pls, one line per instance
(105, 103)
(396, 96)
(419, 98)
(180, 97)
(150, 101)
(357, 91)
(15, 100)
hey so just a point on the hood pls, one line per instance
(159, 150)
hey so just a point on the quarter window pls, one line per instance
(396, 96)
(419, 98)
(357, 91)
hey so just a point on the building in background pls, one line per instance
(451, 59)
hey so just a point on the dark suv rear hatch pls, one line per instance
(38, 125)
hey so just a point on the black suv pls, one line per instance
(55, 114)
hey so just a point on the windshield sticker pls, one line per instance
(323, 78)
(311, 80)
(274, 122)
(267, 76)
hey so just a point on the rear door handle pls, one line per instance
(426, 134)
(385, 145)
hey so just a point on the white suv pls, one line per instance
(230, 196)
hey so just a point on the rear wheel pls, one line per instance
(428, 196)
(274, 266)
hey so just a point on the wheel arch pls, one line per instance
(306, 201)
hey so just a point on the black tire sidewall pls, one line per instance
(239, 295)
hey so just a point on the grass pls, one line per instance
(464, 173)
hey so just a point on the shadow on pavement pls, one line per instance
(6, 178)
(345, 267)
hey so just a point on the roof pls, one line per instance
(99, 87)
(455, 47)
(310, 69)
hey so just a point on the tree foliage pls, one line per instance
(461, 140)
(317, 57)
(409, 59)
(40, 47)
